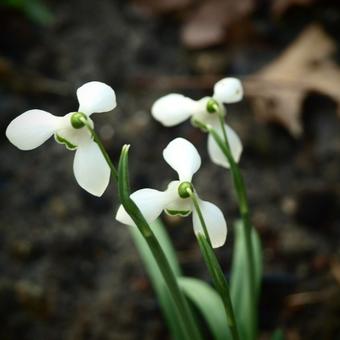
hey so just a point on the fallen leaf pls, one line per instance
(298, 300)
(279, 7)
(208, 24)
(306, 66)
(335, 270)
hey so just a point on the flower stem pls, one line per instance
(200, 215)
(241, 193)
(215, 269)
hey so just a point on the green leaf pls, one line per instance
(239, 276)
(184, 315)
(139, 236)
(36, 10)
(210, 305)
(278, 335)
(220, 282)
(155, 275)
(159, 230)
(128, 204)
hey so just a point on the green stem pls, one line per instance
(215, 269)
(183, 309)
(200, 215)
(241, 193)
(224, 132)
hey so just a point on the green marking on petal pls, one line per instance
(64, 141)
(183, 189)
(212, 106)
(182, 213)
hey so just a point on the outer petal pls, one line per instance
(183, 157)
(90, 169)
(150, 202)
(217, 155)
(96, 97)
(215, 222)
(31, 129)
(228, 90)
(173, 109)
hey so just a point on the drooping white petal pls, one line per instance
(96, 96)
(150, 202)
(31, 129)
(183, 157)
(235, 144)
(90, 168)
(228, 90)
(214, 221)
(177, 205)
(173, 109)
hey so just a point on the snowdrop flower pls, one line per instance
(175, 108)
(34, 127)
(183, 157)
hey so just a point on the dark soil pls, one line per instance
(68, 269)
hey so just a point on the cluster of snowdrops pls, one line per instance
(228, 308)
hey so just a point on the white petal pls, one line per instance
(96, 97)
(31, 129)
(214, 221)
(228, 90)
(149, 201)
(183, 157)
(173, 109)
(90, 168)
(235, 144)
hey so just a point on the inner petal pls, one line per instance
(206, 117)
(177, 206)
(71, 137)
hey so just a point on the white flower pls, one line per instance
(183, 157)
(34, 127)
(174, 108)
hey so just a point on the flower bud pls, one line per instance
(212, 106)
(77, 120)
(183, 189)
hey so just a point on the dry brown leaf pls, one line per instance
(299, 300)
(335, 270)
(208, 24)
(305, 66)
(279, 7)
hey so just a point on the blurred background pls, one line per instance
(67, 269)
